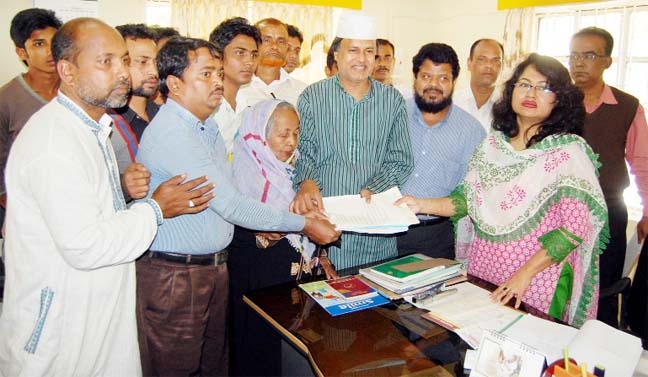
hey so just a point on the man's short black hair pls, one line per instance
(164, 32)
(598, 32)
(294, 32)
(173, 58)
(475, 43)
(330, 55)
(229, 29)
(384, 42)
(27, 21)
(135, 31)
(438, 53)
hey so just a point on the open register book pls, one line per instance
(595, 343)
(469, 312)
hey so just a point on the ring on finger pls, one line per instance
(191, 203)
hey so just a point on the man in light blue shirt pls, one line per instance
(443, 139)
(182, 282)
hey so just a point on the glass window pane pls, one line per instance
(552, 29)
(610, 75)
(638, 30)
(636, 81)
(608, 20)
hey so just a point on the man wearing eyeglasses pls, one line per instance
(484, 65)
(270, 79)
(616, 129)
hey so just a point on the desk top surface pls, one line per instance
(384, 341)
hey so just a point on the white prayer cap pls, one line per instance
(355, 24)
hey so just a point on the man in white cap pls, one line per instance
(353, 138)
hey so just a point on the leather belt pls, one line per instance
(215, 259)
(434, 221)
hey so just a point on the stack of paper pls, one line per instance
(351, 213)
(412, 272)
(344, 295)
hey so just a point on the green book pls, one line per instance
(412, 267)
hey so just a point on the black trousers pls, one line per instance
(435, 240)
(612, 260)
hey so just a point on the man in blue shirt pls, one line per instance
(443, 139)
(182, 282)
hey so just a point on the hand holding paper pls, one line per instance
(353, 213)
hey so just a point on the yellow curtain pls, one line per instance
(517, 38)
(197, 18)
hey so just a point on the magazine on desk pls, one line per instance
(345, 295)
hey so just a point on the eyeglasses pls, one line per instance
(590, 56)
(525, 87)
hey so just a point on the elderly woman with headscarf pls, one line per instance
(263, 155)
(534, 217)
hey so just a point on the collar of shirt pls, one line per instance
(416, 116)
(606, 97)
(369, 94)
(283, 77)
(130, 114)
(102, 127)
(188, 118)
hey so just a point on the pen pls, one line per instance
(519, 317)
(425, 293)
(423, 297)
(583, 369)
(566, 356)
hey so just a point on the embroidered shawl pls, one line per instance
(507, 193)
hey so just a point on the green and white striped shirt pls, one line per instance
(347, 145)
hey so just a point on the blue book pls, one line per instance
(335, 302)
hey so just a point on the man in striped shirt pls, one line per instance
(353, 138)
(444, 138)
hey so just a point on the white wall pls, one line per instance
(409, 24)
(114, 12)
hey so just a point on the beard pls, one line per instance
(140, 91)
(431, 107)
(111, 100)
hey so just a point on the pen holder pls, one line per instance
(557, 369)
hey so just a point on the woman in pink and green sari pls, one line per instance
(530, 215)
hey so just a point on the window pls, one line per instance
(158, 12)
(628, 24)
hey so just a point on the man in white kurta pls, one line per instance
(69, 299)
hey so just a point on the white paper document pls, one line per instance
(351, 213)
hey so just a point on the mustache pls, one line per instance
(122, 82)
(432, 90)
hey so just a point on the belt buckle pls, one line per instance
(220, 258)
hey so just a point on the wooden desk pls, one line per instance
(372, 342)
